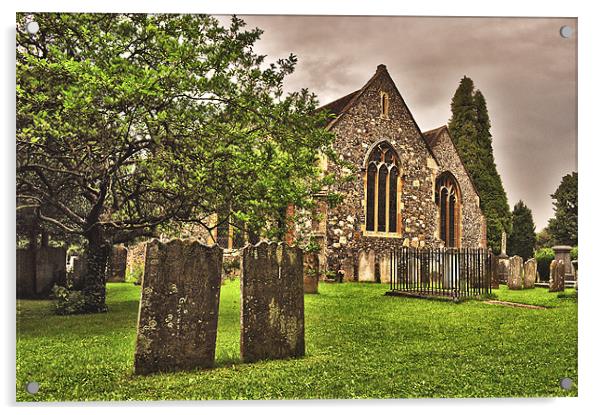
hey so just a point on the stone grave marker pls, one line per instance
(530, 273)
(515, 277)
(556, 275)
(366, 266)
(177, 319)
(272, 310)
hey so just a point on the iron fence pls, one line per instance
(446, 272)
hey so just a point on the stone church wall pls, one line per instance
(356, 131)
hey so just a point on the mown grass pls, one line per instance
(359, 343)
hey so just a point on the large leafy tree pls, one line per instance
(563, 226)
(522, 238)
(470, 130)
(128, 122)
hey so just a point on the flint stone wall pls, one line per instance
(177, 320)
(530, 273)
(556, 275)
(272, 310)
(117, 264)
(515, 277)
(39, 270)
(357, 130)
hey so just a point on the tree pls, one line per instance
(522, 238)
(130, 122)
(563, 226)
(470, 130)
(543, 239)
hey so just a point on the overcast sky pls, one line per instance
(525, 69)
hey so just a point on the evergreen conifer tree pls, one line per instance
(522, 238)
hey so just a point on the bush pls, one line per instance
(574, 253)
(67, 301)
(544, 257)
(134, 273)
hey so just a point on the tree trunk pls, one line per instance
(94, 281)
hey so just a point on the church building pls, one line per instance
(409, 187)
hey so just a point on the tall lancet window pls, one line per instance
(447, 197)
(383, 191)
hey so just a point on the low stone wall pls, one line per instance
(177, 320)
(272, 310)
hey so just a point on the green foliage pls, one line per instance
(470, 130)
(67, 301)
(438, 348)
(544, 257)
(134, 273)
(522, 238)
(543, 239)
(563, 226)
(126, 122)
(574, 253)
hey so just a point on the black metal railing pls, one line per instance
(445, 272)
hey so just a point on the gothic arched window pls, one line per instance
(447, 198)
(382, 190)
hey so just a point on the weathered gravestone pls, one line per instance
(272, 315)
(384, 265)
(515, 277)
(495, 273)
(117, 264)
(556, 275)
(530, 273)
(177, 319)
(503, 269)
(366, 266)
(311, 272)
(348, 269)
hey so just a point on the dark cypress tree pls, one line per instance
(522, 238)
(563, 226)
(470, 130)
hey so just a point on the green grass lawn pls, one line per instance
(359, 344)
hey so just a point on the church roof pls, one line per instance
(342, 105)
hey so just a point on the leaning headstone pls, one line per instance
(366, 266)
(272, 314)
(177, 319)
(530, 273)
(117, 264)
(515, 277)
(556, 275)
(311, 272)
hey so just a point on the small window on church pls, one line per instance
(384, 105)
(382, 191)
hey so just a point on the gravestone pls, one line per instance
(117, 264)
(348, 268)
(177, 319)
(515, 277)
(556, 275)
(79, 267)
(495, 272)
(530, 273)
(384, 265)
(311, 272)
(366, 266)
(503, 269)
(563, 252)
(38, 270)
(272, 314)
